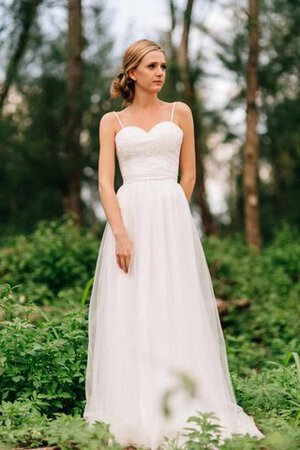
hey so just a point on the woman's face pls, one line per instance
(150, 74)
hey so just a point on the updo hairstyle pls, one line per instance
(123, 86)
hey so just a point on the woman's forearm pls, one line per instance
(112, 209)
(187, 185)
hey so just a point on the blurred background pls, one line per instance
(233, 66)
(236, 63)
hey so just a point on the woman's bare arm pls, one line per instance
(187, 153)
(106, 175)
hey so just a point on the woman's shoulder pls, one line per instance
(109, 122)
(108, 118)
(111, 116)
(183, 111)
(182, 107)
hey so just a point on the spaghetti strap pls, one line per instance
(118, 119)
(173, 109)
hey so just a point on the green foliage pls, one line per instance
(277, 392)
(270, 281)
(280, 435)
(205, 434)
(22, 424)
(52, 263)
(44, 362)
(43, 354)
(72, 432)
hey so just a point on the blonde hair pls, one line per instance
(124, 86)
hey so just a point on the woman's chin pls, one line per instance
(157, 87)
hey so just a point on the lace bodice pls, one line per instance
(152, 154)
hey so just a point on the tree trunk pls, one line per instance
(251, 149)
(72, 200)
(190, 98)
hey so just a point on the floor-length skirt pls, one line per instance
(156, 326)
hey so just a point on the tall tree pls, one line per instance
(279, 94)
(191, 97)
(251, 148)
(72, 199)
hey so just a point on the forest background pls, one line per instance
(236, 64)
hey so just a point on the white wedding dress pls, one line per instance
(161, 318)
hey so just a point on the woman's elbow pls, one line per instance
(105, 186)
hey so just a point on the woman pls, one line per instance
(153, 318)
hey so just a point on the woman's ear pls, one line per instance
(131, 74)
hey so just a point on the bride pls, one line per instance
(153, 315)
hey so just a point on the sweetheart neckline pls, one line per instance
(148, 132)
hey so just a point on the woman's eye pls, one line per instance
(153, 65)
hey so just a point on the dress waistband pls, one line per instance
(148, 178)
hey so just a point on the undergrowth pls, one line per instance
(44, 292)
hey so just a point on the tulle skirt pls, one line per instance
(155, 340)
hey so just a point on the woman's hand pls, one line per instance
(124, 251)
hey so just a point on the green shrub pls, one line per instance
(21, 424)
(273, 391)
(56, 257)
(266, 329)
(44, 361)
